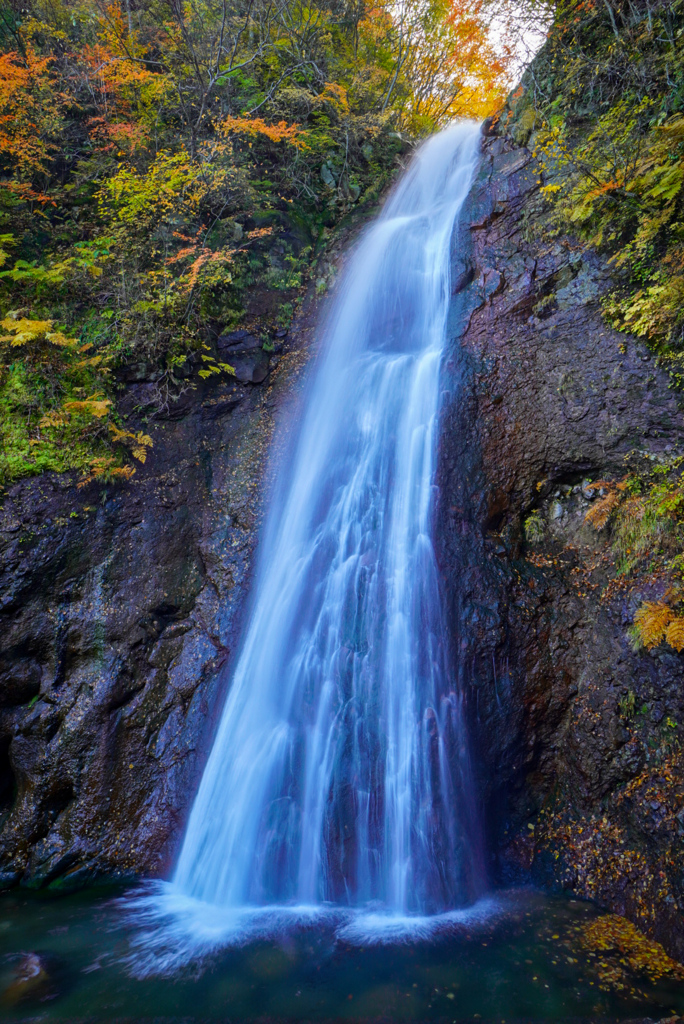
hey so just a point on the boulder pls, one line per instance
(245, 353)
(32, 981)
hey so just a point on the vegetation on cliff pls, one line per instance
(603, 105)
(159, 160)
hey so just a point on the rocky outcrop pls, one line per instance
(120, 607)
(574, 734)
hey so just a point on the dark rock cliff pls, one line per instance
(573, 732)
(119, 607)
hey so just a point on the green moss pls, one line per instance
(28, 448)
(606, 99)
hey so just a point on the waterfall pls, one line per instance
(338, 774)
(336, 771)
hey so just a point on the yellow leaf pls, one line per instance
(56, 418)
(675, 633)
(57, 338)
(599, 514)
(652, 621)
(24, 330)
(98, 407)
(103, 469)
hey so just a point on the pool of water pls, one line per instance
(526, 957)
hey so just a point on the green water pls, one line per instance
(529, 963)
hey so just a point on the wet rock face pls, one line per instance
(245, 353)
(120, 608)
(567, 721)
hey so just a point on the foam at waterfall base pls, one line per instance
(367, 927)
(173, 931)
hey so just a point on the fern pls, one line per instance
(93, 406)
(104, 469)
(675, 633)
(534, 528)
(138, 443)
(651, 622)
(599, 514)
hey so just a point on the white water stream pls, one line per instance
(338, 774)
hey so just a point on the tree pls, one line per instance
(160, 158)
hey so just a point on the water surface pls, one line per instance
(524, 957)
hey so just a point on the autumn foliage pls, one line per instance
(159, 160)
(602, 110)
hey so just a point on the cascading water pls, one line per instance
(338, 773)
